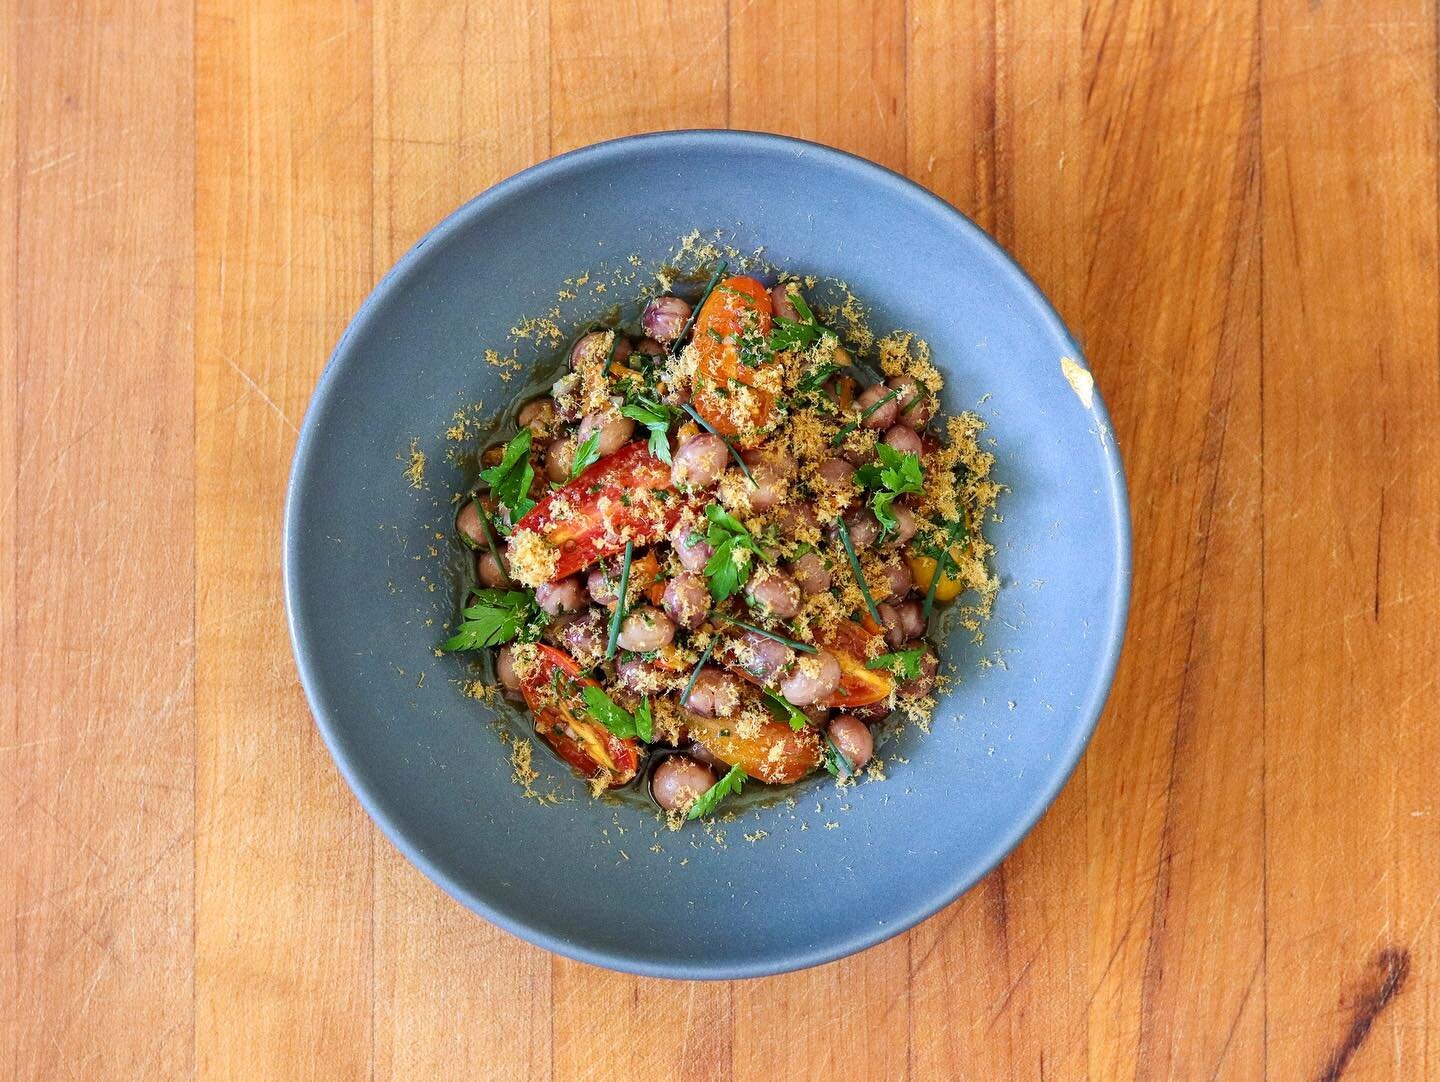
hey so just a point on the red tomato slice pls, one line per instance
(859, 686)
(735, 306)
(552, 692)
(601, 509)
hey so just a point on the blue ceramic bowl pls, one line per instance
(835, 872)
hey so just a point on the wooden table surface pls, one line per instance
(1234, 206)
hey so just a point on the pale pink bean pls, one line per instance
(864, 530)
(538, 415)
(813, 678)
(884, 415)
(615, 431)
(603, 587)
(769, 487)
(905, 440)
(590, 347)
(925, 682)
(687, 599)
(691, 548)
(584, 636)
(853, 739)
(773, 593)
(562, 595)
(487, 570)
(763, 657)
(646, 628)
(664, 318)
(896, 579)
(679, 781)
(715, 694)
(469, 526)
(905, 524)
(782, 303)
(912, 391)
(700, 461)
(810, 574)
(505, 669)
(559, 457)
(650, 348)
(837, 472)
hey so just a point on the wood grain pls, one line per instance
(1233, 206)
(282, 242)
(975, 75)
(99, 754)
(460, 96)
(1352, 551)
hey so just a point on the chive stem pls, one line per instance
(728, 445)
(844, 532)
(494, 544)
(853, 425)
(804, 648)
(942, 563)
(620, 601)
(704, 296)
(695, 675)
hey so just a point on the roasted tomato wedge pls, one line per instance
(624, 496)
(552, 692)
(776, 754)
(859, 686)
(737, 311)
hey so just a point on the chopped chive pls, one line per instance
(728, 445)
(690, 684)
(804, 648)
(853, 425)
(855, 568)
(835, 759)
(942, 563)
(705, 296)
(620, 601)
(494, 544)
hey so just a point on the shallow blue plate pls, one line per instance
(834, 872)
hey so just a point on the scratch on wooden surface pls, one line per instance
(261, 392)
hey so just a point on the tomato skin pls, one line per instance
(859, 686)
(736, 304)
(592, 528)
(576, 740)
(777, 754)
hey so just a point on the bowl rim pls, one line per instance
(769, 962)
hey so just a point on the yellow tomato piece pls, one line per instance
(922, 568)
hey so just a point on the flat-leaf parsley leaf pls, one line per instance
(495, 617)
(709, 800)
(510, 478)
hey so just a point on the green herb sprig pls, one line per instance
(836, 761)
(728, 537)
(619, 613)
(586, 455)
(799, 333)
(851, 426)
(784, 710)
(494, 617)
(801, 647)
(893, 474)
(706, 803)
(655, 416)
(844, 532)
(704, 296)
(511, 477)
(616, 718)
(903, 663)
